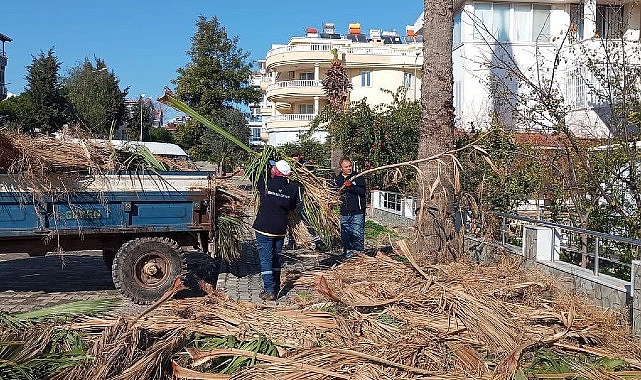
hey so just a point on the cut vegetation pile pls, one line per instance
(39, 156)
(370, 318)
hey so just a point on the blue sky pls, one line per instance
(144, 42)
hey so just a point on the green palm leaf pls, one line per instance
(72, 308)
(169, 99)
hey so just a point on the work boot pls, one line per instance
(348, 255)
(267, 296)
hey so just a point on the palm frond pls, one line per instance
(72, 308)
(169, 99)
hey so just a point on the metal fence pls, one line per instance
(601, 252)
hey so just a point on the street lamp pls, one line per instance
(142, 96)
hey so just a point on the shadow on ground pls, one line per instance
(55, 273)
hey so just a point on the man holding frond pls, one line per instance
(352, 209)
(278, 197)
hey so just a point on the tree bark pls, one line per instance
(436, 240)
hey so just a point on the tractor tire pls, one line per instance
(145, 268)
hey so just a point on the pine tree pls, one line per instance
(47, 104)
(95, 97)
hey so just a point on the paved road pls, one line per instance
(30, 283)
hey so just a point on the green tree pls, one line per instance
(372, 137)
(504, 178)
(315, 153)
(221, 150)
(48, 109)
(14, 110)
(218, 74)
(216, 78)
(96, 99)
(161, 135)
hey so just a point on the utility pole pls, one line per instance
(142, 97)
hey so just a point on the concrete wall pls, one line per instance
(388, 219)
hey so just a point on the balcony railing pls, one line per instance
(374, 50)
(294, 83)
(305, 47)
(290, 117)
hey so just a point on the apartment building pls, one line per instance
(3, 64)
(551, 43)
(291, 74)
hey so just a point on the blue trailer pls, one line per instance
(141, 222)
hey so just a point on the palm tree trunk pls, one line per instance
(437, 240)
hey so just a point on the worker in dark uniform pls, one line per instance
(278, 197)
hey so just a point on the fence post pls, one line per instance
(596, 255)
(636, 297)
(503, 231)
(553, 242)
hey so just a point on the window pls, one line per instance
(306, 76)
(576, 18)
(306, 109)
(456, 37)
(482, 19)
(524, 22)
(540, 22)
(365, 79)
(609, 21)
(575, 89)
(511, 22)
(255, 134)
(501, 21)
(407, 80)
(391, 201)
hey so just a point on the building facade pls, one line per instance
(3, 65)
(291, 76)
(508, 55)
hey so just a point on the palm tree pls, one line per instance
(336, 85)
(436, 240)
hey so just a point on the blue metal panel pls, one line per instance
(18, 217)
(155, 210)
(85, 215)
(174, 214)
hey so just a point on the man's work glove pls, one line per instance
(348, 184)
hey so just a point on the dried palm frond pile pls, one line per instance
(374, 318)
(318, 198)
(21, 153)
(230, 217)
(39, 156)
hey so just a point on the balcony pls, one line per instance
(280, 58)
(288, 121)
(286, 90)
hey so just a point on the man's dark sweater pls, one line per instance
(277, 199)
(353, 197)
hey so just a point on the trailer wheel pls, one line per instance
(145, 268)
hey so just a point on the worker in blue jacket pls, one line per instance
(278, 197)
(352, 208)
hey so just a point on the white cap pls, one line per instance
(283, 167)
